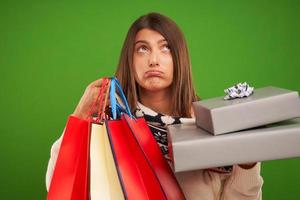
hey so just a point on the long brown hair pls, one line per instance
(183, 91)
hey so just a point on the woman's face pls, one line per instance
(152, 61)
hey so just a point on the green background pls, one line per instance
(51, 50)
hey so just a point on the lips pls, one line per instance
(153, 73)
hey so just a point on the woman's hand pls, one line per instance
(89, 97)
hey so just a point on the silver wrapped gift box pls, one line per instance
(266, 105)
(192, 148)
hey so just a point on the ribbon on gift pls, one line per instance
(239, 90)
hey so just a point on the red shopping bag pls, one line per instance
(137, 175)
(70, 180)
(70, 176)
(147, 142)
(144, 171)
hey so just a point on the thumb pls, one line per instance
(97, 83)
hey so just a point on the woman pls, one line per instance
(155, 72)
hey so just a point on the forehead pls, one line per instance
(149, 36)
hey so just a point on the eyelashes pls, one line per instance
(167, 47)
(144, 48)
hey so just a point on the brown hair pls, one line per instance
(183, 91)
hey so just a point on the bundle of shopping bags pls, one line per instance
(112, 155)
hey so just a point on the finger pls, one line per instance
(95, 109)
(97, 83)
(107, 102)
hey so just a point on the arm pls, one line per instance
(243, 184)
(51, 163)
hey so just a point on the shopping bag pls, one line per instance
(139, 179)
(104, 180)
(70, 180)
(147, 142)
(73, 174)
(144, 171)
(70, 176)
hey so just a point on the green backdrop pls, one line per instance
(51, 50)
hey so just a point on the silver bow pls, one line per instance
(238, 91)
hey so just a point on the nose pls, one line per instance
(153, 59)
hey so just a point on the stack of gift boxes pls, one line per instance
(263, 126)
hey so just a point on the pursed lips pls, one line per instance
(153, 73)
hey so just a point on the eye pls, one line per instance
(166, 48)
(142, 49)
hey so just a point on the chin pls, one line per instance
(155, 87)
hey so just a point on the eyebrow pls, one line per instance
(144, 41)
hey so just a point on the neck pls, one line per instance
(159, 101)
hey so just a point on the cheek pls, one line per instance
(168, 63)
(138, 69)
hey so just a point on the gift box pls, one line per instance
(266, 105)
(193, 148)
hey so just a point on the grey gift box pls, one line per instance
(192, 148)
(266, 105)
